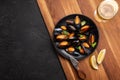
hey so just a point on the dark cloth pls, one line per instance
(26, 51)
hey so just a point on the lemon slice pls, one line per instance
(93, 62)
(101, 56)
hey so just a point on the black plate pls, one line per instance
(93, 30)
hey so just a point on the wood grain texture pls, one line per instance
(54, 10)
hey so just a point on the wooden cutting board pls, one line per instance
(109, 32)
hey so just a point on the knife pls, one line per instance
(75, 63)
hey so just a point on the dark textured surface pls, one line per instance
(26, 52)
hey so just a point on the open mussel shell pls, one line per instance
(86, 45)
(70, 49)
(80, 50)
(91, 39)
(72, 36)
(57, 31)
(84, 28)
(70, 22)
(61, 37)
(71, 28)
(82, 37)
(63, 44)
(77, 20)
(63, 27)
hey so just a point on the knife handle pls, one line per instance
(81, 74)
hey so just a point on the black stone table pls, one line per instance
(26, 51)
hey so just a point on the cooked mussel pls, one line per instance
(63, 27)
(85, 44)
(82, 37)
(71, 49)
(71, 28)
(84, 28)
(71, 36)
(63, 44)
(81, 50)
(57, 31)
(91, 38)
(61, 37)
(77, 20)
(86, 50)
(69, 21)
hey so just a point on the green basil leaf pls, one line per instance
(83, 23)
(94, 44)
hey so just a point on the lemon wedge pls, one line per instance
(93, 62)
(101, 56)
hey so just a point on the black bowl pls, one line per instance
(92, 30)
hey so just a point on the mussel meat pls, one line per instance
(77, 20)
(81, 50)
(63, 44)
(71, 36)
(63, 27)
(61, 37)
(71, 49)
(91, 38)
(84, 28)
(85, 44)
(82, 37)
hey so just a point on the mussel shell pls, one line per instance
(63, 27)
(77, 20)
(57, 31)
(87, 51)
(71, 28)
(82, 51)
(86, 45)
(72, 36)
(61, 37)
(70, 49)
(84, 37)
(69, 21)
(78, 26)
(84, 28)
(91, 39)
(76, 42)
(63, 44)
